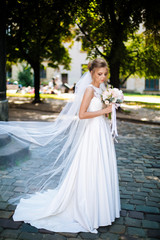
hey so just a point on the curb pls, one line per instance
(137, 121)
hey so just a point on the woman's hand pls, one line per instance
(107, 109)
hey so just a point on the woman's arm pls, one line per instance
(83, 114)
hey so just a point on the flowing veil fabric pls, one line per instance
(56, 143)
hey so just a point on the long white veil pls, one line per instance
(49, 147)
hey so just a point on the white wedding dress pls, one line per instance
(89, 195)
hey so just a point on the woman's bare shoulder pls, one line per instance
(89, 92)
(89, 89)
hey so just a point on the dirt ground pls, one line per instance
(22, 109)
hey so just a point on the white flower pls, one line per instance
(106, 102)
(112, 95)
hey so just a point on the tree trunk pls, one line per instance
(2, 51)
(114, 74)
(36, 69)
(3, 100)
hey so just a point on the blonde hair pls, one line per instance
(97, 63)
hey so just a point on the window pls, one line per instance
(42, 72)
(152, 84)
(64, 78)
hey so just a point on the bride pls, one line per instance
(79, 188)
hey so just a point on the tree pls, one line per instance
(105, 26)
(25, 77)
(3, 101)
(142, 58)
(36, 31)
(151, 18)
(2, 51)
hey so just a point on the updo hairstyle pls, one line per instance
(97, 63)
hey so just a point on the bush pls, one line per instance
(25, 77)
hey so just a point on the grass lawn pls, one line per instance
(141, 95)
(30, 95)
(154, 106)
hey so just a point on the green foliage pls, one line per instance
(104, 27)
(36, 31)
(142, 57)
(107, 29)
(25, 77)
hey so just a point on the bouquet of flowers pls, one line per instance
(112, 95)
(115, 97)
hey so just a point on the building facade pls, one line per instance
(79, 60)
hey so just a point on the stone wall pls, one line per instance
(4, 110)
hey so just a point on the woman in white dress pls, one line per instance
(87, 195)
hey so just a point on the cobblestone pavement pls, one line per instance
(138, 159)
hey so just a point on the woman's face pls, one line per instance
(99, 75)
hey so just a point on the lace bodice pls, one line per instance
(96, 103)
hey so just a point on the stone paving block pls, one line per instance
(55, 237)
(140, 180)
(30, 236)
(119, 220)
(123, 213)
(28, 228)
(128, 206)
(7, 187)
(88, 235)
(133, 222)
(150, 224)
(154, 194)
(124, 201)
(125, 196)
(10, 233)
(117, 228)
(156, 190)
(132, 189)
(76, 238)
(18, 183)
(150, 185)
(143, 189)
(109, 236)
(6, 196)
(134, 231)
(137, 215)
(153, 204)
(147, 209)
(135, 196)
(11, 207)
(126, 179)
(148, 156)
(124, 237)
(136, 201)
(5, 214)
(153, 217)
(3, 205)
(8, 181)
(154, 233)
(9, 238)
(9, 223)
(103, 229)
(122, 183)
(141, 194)
(44, 231)
(69, 235)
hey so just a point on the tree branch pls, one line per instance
(90, 40)
(125, 79)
